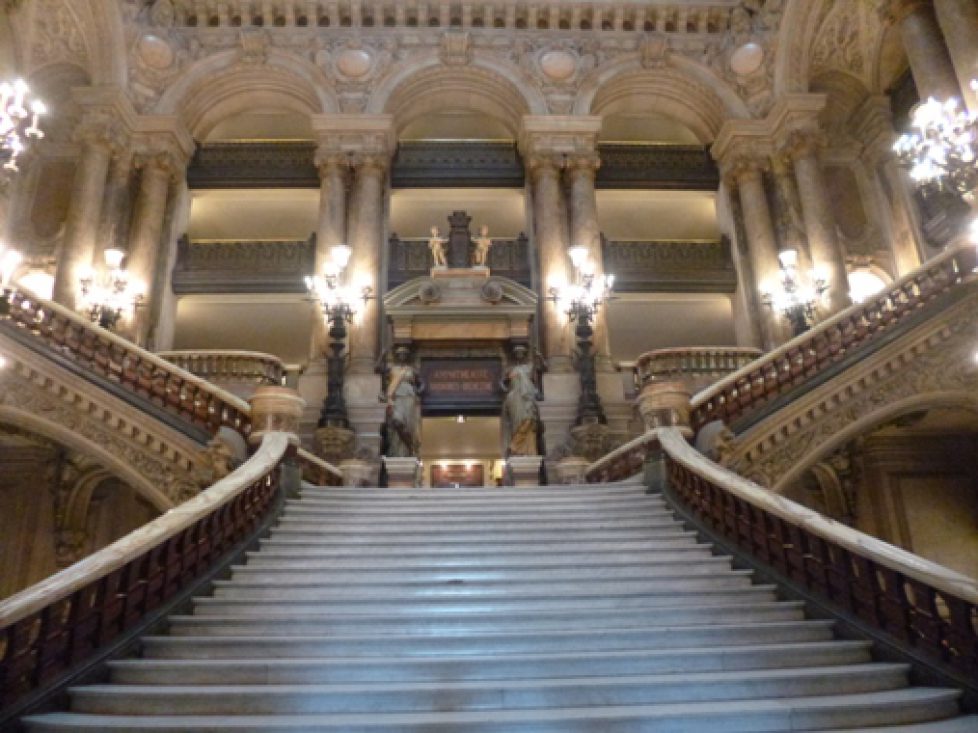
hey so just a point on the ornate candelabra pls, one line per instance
(108, 294)
(580, 300)
(19, 116)
(794, 299)
(942, 151)
(339, 304)
(10, 260)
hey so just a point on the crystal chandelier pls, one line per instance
(107, 295)
(582, 297)
(942, 151)
(18, 126)
(794, 299)
(338, 300)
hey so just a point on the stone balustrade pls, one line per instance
(808, 357)
(695, 366)
(229, 367)
(711, 17)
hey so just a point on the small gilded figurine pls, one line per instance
(480, 255)
(437, 246)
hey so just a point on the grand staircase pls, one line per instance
(558, 609)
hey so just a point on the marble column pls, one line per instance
(366, 233)
(789, 226)
(330, 230)
(959, 21)
(585, 232)
(114, 223)
(761, 242)
(930, 62)
(82, 221)
(147, 229)
(552, 250)
(826, 251)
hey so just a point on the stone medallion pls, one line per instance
(558, 65)
(354, 62)
(747, 59)
(154, 52)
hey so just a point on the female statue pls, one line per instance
(403, 414)
(520, 414)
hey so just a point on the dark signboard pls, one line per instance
(461, 385)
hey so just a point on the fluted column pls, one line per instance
(959, 21)
(548, 236)
(930, 62)
(366, 233)
(82, 222)
(145, 241)
(114, 221)
(585, 232)
(823, 242)
(331, 227)
(761, 241)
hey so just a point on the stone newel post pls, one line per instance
(275, 409)
(662, 404)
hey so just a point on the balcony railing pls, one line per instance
(229, 366)
(693, 365)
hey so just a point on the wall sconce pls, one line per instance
(10, 260)
(580, 300)
(15, 130)
(107, 294)
(339, 303)
(794, 299)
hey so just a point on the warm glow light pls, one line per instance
(340, 254)
(39, 283)
(578, 256)
(788, 258)
(113, 258)
(864, 284)
(18, 124)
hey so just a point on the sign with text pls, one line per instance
(455, 385)
(456, 475)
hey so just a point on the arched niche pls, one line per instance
(263, 123)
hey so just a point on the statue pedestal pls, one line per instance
(525, 470)
(457, 273)
(358, 473)
(402, 473)
(571, 470)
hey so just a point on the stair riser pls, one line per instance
(194, 702)
(768, 718)
(424, 510)
(340, 671)
(288, 627)
(340, 575)
(467, 644)
(473, 538)
(325, 547)
(224, 606)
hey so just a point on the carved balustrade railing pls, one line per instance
(808, 357)
(922, 605)
(228, 365)
(64, 335)
(626, 16)
(243, 266)
(684, 167)
(63, 622)
(691, 363)
(317, 471)
(670, 266)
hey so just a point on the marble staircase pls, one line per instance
(570, 609)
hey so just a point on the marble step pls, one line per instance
(660, 637)
(591, 492)
(477, 528)
(287, 624)
(569, 508)
(490, 667)
(314, 589)
(286, 573)
(736, 716)
(523, 545)
(661, 598)
(305, 559)
(483, 694)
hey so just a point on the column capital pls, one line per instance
(562, 135)
(583, 164)
(798, 144)
(375, 163)
(354, 134)
(327, 159)
(108, 117)
(539, 165)
(162, 142)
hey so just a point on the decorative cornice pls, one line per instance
(559, 135)
(354, 134)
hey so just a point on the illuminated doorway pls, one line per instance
(462, 453)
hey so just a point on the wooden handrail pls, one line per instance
(917, 602)
(317, 471)
(811, 354)
(169, 387)
(57, 624)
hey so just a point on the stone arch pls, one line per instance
(219, 86)
(956, 399)
(845, 91)
(799, 24)
(73, 439)
(682, 90)
(484, 86)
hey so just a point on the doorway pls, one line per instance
(461, 451)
